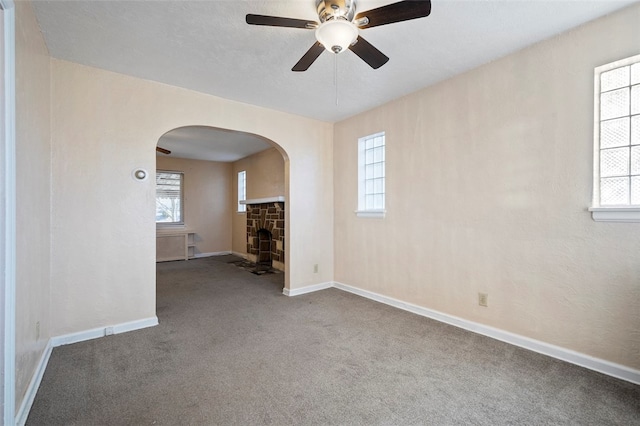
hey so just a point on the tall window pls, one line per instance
(617, 135)
(242, 190)
(169, 197)
(371, 175)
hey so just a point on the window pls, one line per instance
(169, 199)
(242, 190)
(371, 176)
(616, 186)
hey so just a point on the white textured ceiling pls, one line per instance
(207, 46)
(207, 143)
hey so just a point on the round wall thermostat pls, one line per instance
(140, 174)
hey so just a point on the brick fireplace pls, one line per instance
(265, 232)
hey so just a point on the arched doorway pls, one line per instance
(213, 186)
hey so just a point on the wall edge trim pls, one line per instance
(96, 333)
(211, 254)
(587, 361)
(307, 289)
(8, 262)
(34, 384)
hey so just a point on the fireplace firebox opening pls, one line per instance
(264, 247)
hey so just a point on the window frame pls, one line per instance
(599, 212)
(242, 208)
(181, 223)
(362, 210)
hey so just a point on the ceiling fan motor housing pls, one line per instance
(336, 9)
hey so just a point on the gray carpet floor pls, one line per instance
(231, 349)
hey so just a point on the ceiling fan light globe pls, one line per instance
(336, 35)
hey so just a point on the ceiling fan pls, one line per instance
(339, 27)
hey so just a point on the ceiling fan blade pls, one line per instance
(162, 150)
(395, 12)
(309, 58)
(368, 53)
(277, 21)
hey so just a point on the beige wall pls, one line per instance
(33, 171)
(265, 178)
(208, 201)
(489, 178)
(103, 244)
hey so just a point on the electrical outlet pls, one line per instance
(315, 268)
(37, 330)
(108, 331)
(483, 299)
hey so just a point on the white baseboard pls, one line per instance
(242, 255)
(592, 363)
(600, 365)
(307, 289)
(95, 333)
(34, 384)
(213, 253)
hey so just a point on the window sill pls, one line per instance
(380, 214)
(173, 231)
(615, 214)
